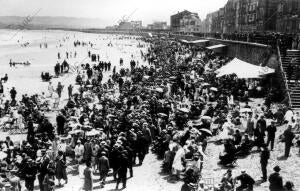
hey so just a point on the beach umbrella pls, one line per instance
(93, 132)
(110, 116)
(206, 118)
(245, 110)
(206, 131)
(184, 110)
(146, 77)
(162, 115)
(213, 89)
(159, 90)
(205, 84)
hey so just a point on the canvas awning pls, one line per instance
(184, 41)
(216, 46)
(243, 69)
(199, 41)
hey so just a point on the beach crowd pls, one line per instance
(173, 106)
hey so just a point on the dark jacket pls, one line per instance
(264, 157)
(275, 182)
(103, 164)
(246, 180)
(271, 130)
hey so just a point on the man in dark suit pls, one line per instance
(264, 157)
(103, 167)
(43, 168)
(271, 129)
(288, 139)
(247, 181)
(276, 180)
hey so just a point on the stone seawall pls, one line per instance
(250, 52)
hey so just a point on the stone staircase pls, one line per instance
(293, 89)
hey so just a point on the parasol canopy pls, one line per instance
(205, 84)
(245, 110)
(213, 89)
(243, 69)
(162, 115)
(159, 90)
(184, 110)
(93, 132)
(206, 131)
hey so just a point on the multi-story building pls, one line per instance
(257, 15)
(207, 24)
(288, 16)
(158, 26)
(132, 25)
(218, 21)
(190, 23)
(231, 16)
(175, 20)
(136, 24)
(248, 16)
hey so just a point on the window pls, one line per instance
(251, 18)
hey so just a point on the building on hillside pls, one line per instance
(288, 16)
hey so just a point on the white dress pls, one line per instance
(177, 163)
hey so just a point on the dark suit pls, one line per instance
(103, 168)
(288, 139)
(275, 182)
(264, 157)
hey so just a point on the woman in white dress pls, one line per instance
(177, 166)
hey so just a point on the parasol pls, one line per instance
(205, 84)
(245, 110)
(93, 132)
(213, 89)
(162, 115)
(206, 131)
(159, 90)
(184, 110)
(146, 77)
(206, 118)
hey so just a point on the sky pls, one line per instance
(109, 11)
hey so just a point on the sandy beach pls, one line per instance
(27, 80)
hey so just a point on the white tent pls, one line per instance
(243, 69)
